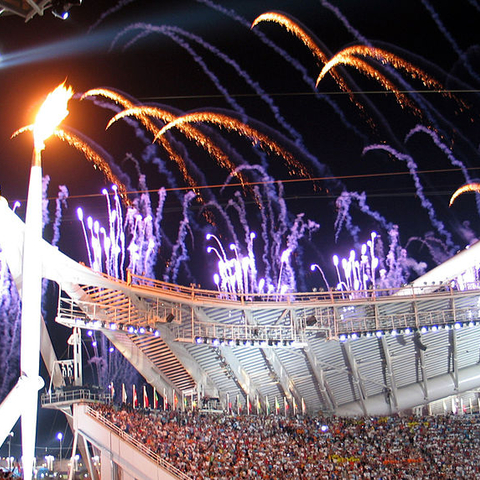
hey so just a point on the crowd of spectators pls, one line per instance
(221, 446)
(7, 475)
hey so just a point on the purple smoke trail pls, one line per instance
(45, 212)
(454, 161)
(110, 11)
(268, 217)
(60, 202)
(474, 4)
(238, 204)
(241, 73)
(299, 229)
(350, 29)
(120, 233)
(226, 219)
(9, 332)
(437, 249)
(186, 46)
(179, 252)
(45, 221)
(395, 274)
(144, 205)
(162, 196)
(426, 204)
(451, 40)
(343, 204)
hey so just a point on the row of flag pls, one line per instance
(267, 409)
(146, 401)
(247, 408)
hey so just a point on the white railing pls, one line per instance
(138, 445)
(74, 395)
(335, 313)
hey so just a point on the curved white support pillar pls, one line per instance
(31, 314)
(413, 395)
(12, 406)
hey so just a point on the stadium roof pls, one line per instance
(342, 353)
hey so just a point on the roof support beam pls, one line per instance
(272, 360)
(242, 378)
(323, 385)
(355, 374)
(392, 390)
(452, 356)
(420, 360)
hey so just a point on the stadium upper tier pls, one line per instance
(348, 353)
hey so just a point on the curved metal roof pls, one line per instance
(345, 353)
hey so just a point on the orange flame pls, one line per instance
(51, 114)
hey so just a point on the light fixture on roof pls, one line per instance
(61, 8)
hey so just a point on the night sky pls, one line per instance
(207, 59)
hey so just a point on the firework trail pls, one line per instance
(179, 253)
(232, 124)
(426, 108)
(436, 248)
(453, 160)
(312, 43)
(162, 196)
(348, 56)
(170, 31)
(474, 4)
(150, 152)
(190, 132)
(225, 220)
(426, 204)
(80, 143)
(343, 204)
(300, 228)
(451, 40)
(293, 62)
(471, 187)
(60, 202)
(110, 11)
(10, 315)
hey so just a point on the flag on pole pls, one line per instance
(294, 406)
(239, 407)
(285, 405)
(165, 399)
(259, 406)
(277, 406)
(146, 403)
(248, 405)
(135, 399)
(267, 404)
(304, 407)
(175, 400)
(155, 399)
(124, 394)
